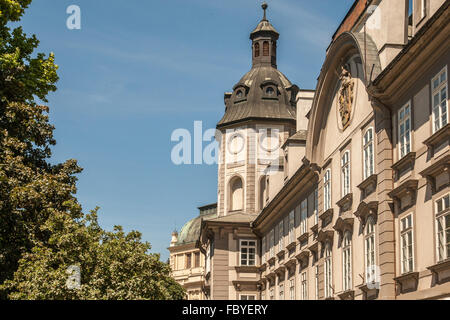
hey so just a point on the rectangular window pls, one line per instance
(327, 190)
(197, 259)
(291, 227)
(281, 291)
(368, 154)
(303, 216)
(248, 297)
(406, 241)
(345, 171)
(404, 130)
(271, 294)
(316, 206)
(271, 243)
(443, 227)
(316, 280)
(280, 236)
(347, 261)
(440, 100)
(304, 286)
(292, 289)
(328, 272)
(188, 261)
(248, 252)
(263, 250)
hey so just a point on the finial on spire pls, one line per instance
(264, 6)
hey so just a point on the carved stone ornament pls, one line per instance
(346, 94)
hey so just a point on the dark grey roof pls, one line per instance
(254, 105)
(299, 135)
(235, 218)
(263, 27)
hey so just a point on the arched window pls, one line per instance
(262, 192)
(236, 194)
(266, 48)
(347, 260)
(369, 245)
(256, 50)
(328, 271)
(368, 154)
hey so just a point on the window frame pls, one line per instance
(248, 247)
(281, 235)
(241, 296)
(292, 289)
(347, 267)
(345, 173)
(405, 140)
(441, 215)
(368, 154)
(281, 291)
(328, 270)
(304, 216)
(316, 205)
(367, 256)
(304, 285)
(271, 243)
(409, 230)
(438, 90)
(327, 190)
(291, 227)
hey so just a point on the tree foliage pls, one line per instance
(42, 227)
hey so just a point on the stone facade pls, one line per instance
(354, 204)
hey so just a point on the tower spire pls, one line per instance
(264, 6)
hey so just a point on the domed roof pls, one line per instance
(190, 232)
(252, 99)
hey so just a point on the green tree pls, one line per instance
(113, 265)
(37, 198)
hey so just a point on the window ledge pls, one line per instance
(302, 256)
(281, 254)
(438, 137)
(303, 237)
(280, 270)
(439, 268)
(407, 160)
(343, 223)
(291, 245)
(365, 209)
(371, 181)
(247, 269)
(291, 263)
(409, 278)
(346, 202)
(325, 215)
(435, 169)
(271, 260)
(347, 295)
(407, 187)
(325, 235)
(315, 228)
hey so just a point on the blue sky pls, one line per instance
(137, 70)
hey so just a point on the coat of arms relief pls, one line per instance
(346, 95)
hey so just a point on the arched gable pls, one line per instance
(347, 46)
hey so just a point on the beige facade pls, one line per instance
(354, 202)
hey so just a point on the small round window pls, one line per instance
(270, 91)
(239, 94)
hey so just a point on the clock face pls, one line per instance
(236, 143)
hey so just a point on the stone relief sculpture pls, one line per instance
(346, 96)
